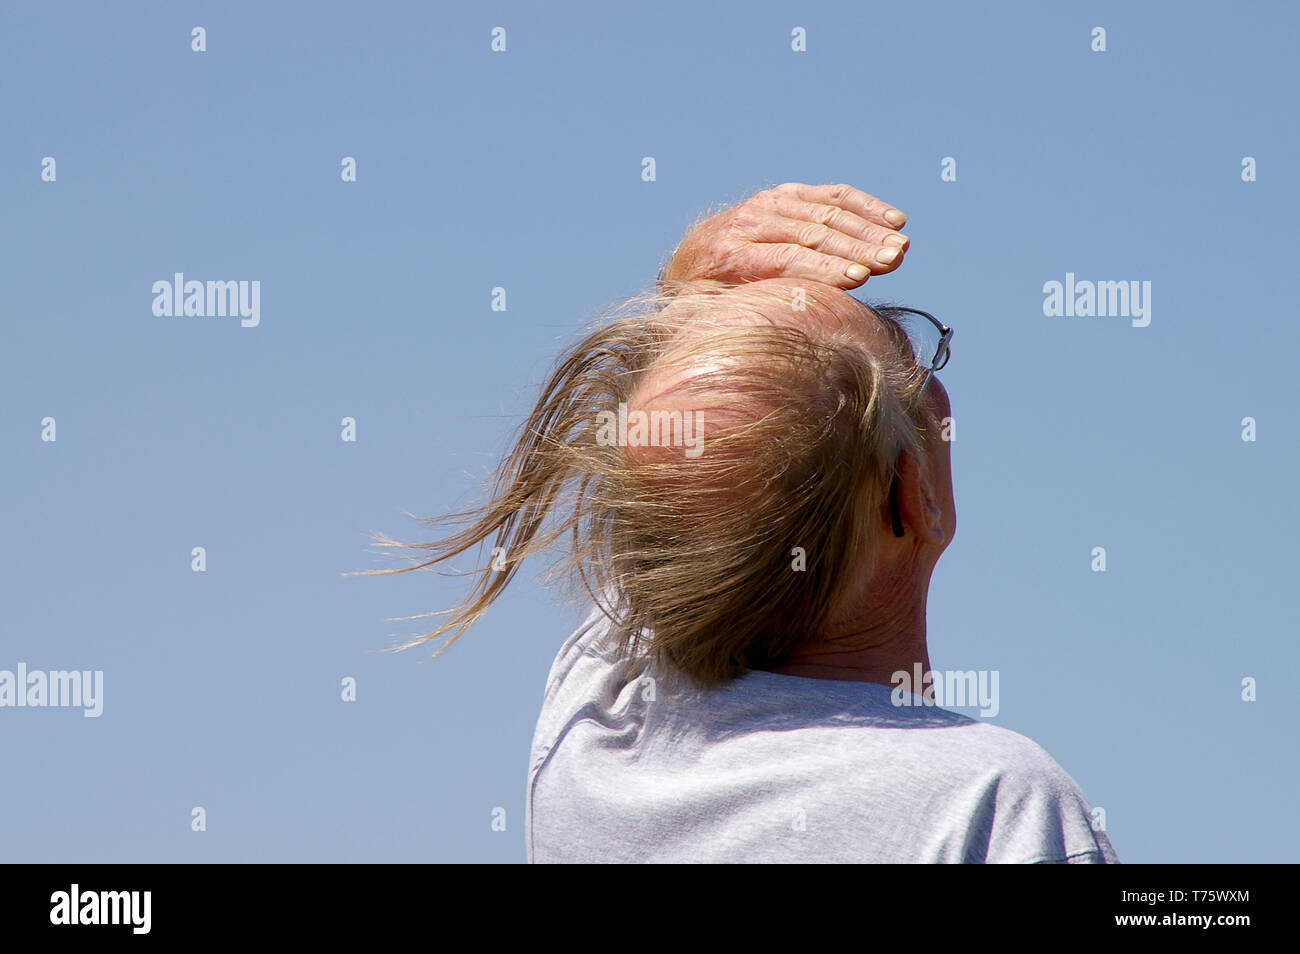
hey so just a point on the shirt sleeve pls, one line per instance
(1041, 816)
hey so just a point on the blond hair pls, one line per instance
(697, 559)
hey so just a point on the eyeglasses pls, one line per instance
(928, 337)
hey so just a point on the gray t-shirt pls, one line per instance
(637, 765)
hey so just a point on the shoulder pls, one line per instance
(974, 791)
(587, 674)
(1023, 806)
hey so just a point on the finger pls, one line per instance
(837, 218)
(795, 261)
(882, 246)
(848, 198)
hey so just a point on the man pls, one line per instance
(751, 471)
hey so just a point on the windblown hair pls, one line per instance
(697, 559)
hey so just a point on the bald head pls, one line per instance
(713, 342)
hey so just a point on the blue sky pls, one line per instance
(522, 170)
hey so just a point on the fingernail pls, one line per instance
(896, 241)
(886, 255)
(895, 218)
(857, 272)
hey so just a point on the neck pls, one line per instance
(878, 637)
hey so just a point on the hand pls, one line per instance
(834, 234)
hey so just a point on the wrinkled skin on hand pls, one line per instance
(834, 234)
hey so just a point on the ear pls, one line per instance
(918, 505)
